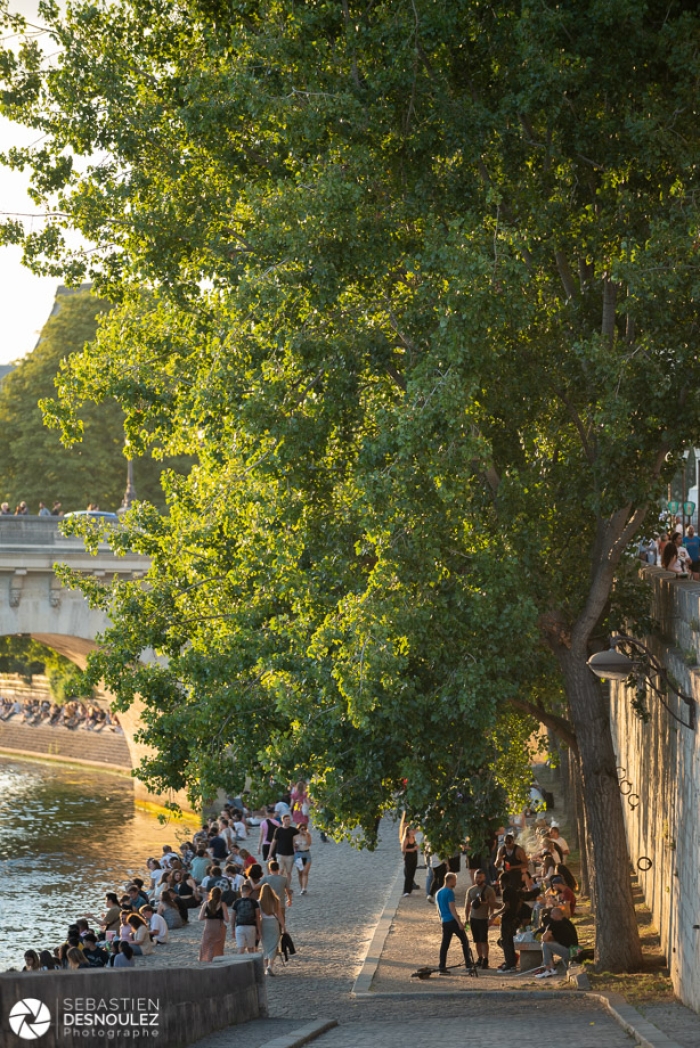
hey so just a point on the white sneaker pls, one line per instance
(547, 973)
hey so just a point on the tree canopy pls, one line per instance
(424, 292)
(35, 466)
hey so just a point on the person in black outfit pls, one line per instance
(409, 848)
(282, 847)
(512, 913)
(559, 936)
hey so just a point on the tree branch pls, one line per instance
(559, 725)
(565, 274)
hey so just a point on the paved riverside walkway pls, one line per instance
(333, 927)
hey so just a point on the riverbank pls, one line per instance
(70, 833)
(76, 746)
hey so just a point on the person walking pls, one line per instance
(271, 925)
(215, 916)
(267, 829)
(282, 847)
(409, 850)
(451, 924)
(302, 857)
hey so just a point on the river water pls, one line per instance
(67, 835)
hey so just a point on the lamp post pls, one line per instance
(130, 493)
(616, 665)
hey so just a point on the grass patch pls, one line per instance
(652, 983)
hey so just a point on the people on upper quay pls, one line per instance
(691, 544)
(675, 558)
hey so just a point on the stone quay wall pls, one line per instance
(164, 1007)
(659, 769)
(104, 749)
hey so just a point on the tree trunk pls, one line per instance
(583, 841)
(617, 938)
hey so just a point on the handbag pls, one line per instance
(287, 946)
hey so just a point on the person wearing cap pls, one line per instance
(451, 923)
(559, 937)
(565, 896)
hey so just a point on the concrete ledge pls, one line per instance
(578, 977)
(302, 1035)
(374, 952)
(67, 762)
(177, 1006)
(633, 1023)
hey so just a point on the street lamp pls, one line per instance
(616, 665)
(130, 493)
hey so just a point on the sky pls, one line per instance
(25, 300)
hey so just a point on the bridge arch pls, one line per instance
(34, 603)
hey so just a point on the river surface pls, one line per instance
(67, 835)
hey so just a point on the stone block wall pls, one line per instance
(168, 1007)
(659, 768)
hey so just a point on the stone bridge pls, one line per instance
(32, 600)
(34, 603)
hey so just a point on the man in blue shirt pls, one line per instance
(451, 924)
(692, 545)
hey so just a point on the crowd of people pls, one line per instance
(22, 510)
(215, 874)
(532, 897)
(674, 550)
(73, 714)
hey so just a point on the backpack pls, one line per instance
(245, 911)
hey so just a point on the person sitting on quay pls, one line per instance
(122, 956)
(95, 956)
(200, 865)
(31, 961)
(172, 910)
(559, 936)
(140, 942)
(76, 958)
(137, 897)
(157, 925)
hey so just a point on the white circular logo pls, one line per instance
(30, 1018)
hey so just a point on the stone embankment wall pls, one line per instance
(104, 749)
(659, 768)
(12, 686)
(191, 1002)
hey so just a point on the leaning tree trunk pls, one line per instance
(618, 947)
(583, 835)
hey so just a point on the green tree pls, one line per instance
(424, 302)
(34, 464)
(25, 657)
